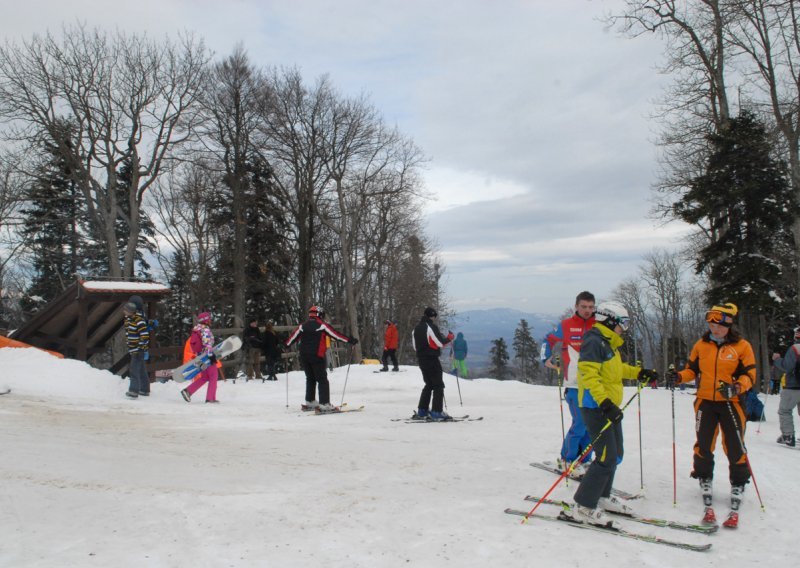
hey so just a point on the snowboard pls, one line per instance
(200, 363)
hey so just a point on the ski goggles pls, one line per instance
(624, 323)
(719, 318)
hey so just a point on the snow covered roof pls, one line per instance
(126, 287)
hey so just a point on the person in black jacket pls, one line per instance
(272, 351)
(254, 342)
(313, 346)
(428, 342)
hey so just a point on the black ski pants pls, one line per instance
(389, 354)
(711, 417)
(434, 384)
(608, 451)
(316, 374)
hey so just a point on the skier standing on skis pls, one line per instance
(460, 350)
(600, 375)
(202, 341)
(569, 335)
(390, 347)
(312, 336)
(725, 365)
(790, 393)
(428, 342)
(138, 341)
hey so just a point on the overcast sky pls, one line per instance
(535, 119)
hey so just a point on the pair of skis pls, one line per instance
(465, 418)
(336, 409)
(563, 518)
(552, 468)
(701, 528)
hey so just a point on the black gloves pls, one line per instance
(647, 375)
(353, 341)
(611, 411)
(212, 359)
(729, 390)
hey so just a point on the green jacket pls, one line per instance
(600, 368)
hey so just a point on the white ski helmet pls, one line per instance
(612, 314)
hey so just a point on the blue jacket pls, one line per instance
(460, 347)
(787, 365)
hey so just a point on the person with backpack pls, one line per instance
(725, 365)
(137, 336)
(790, 393)
(201, 341)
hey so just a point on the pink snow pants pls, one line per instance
(209, 376)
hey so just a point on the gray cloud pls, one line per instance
(535, 118)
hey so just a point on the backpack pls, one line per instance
(753, 407)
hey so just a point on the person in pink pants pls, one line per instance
(202, 341)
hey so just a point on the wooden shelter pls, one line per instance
(82, 320)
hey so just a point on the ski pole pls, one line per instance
(674, 461)
(561, 406)
(287, 383)
(641, 457)
(347, 374)
(763, 410)
(744, 450)
(459, 390)
(572, 465)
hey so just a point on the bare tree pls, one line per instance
(294, 122)
(232, 106)
(181, 202)
(129, 102)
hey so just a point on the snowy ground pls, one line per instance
(93, 479)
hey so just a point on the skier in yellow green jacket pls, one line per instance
(600, 375)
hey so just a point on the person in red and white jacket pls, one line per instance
(312, 337)
(428, 342)
(569, 335)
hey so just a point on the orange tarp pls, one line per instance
(6, 342)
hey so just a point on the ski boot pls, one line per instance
(787, 439)
(709, 517)
(737, 492)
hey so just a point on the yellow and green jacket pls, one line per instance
(600, 368)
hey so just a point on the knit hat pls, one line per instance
(204, 317)
(129, 307)
(722, 314)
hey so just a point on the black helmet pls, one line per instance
(430, 313)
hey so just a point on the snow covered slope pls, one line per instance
(93, 479)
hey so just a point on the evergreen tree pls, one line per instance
(743, 202)
(52, 228)
(526, 352)
(268, 258)
(498, 360)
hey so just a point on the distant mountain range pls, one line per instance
(481, 327)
